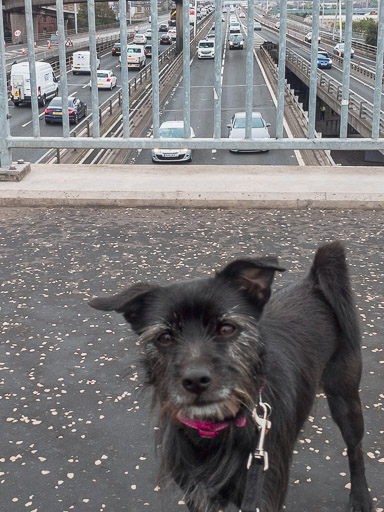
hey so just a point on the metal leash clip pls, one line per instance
(264, 425)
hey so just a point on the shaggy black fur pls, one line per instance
(211, 344)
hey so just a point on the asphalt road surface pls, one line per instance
(75, 428)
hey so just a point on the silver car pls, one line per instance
(170, 130)
(236, 129)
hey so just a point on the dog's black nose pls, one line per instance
(196, 380)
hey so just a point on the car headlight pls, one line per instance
(184, 150)
(230, 43)
(156, 150)
(241, 42)
(330, 61)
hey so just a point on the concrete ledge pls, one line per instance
(176, 186)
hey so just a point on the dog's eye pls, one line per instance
(226, 329)
(165, 338)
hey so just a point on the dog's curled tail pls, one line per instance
(330, 271)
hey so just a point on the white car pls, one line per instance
(339, 50)
(105, 79)
(172, 130)
(172, 33)
(236, 129)
(148, 34)
(139, 39)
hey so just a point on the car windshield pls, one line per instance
(206, 44)
(236, 38)
(239, 122)
(172, 132)
(133, 50)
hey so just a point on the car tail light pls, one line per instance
(108, 79)
(47, 111)
(70, 111)
(10, 87)
(39, 91)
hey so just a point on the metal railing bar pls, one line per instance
(198, 143)
(379, 74)
(217, 92)
(92, 48)
(186, 71)
(155, 69)
(249, 70)
(63, 67)
(313, 72)
(124, 66)
(32, 68)
(346, 68)
(281, 71)
(5, 151)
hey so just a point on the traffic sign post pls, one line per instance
(17, 34)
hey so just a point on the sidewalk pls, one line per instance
(197, 186)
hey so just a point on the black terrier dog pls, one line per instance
(235, 373)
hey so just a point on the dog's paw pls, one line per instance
(361, 502)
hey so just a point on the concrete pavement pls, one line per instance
(197, 186)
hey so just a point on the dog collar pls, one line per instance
(210, 428)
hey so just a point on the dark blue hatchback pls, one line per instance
(54, 112)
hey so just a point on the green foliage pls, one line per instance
(368, 28)
(103, 14)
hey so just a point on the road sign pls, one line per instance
(17, 33)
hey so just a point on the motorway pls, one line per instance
(202, 79)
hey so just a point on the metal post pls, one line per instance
(186, 71)
(92, 47)
(281, 71)
(346, 71)
(195, 21)
(155, 69)
(63, 68)
(340, 22)
(124, 66)
(249, 70)
(5, 151)
(379, 74)
(75, 11)
(32, 67)
(217, 88)
(313, 72)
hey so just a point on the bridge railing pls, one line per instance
(10, 140)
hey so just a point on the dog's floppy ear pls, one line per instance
(130, 302)
(254, 276)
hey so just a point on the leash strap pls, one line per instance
(257, 462)
(253, 488)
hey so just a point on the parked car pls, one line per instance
(339, 50)
(148, 34)
(54, 112)
(139, 39)
(163, 27)
(308, 38)
(148, 50)
(236, 42)
(170, 130)
(236, 128)
(166, 39)
(116, 49)
(324, 60)
(256, 25)
(106, 79)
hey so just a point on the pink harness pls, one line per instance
(210, 428)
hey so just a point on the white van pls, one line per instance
(81, 62)
(206, 49)
(136, 56)
(20, 83)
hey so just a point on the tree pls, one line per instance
(103, 15)
(371, 34)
